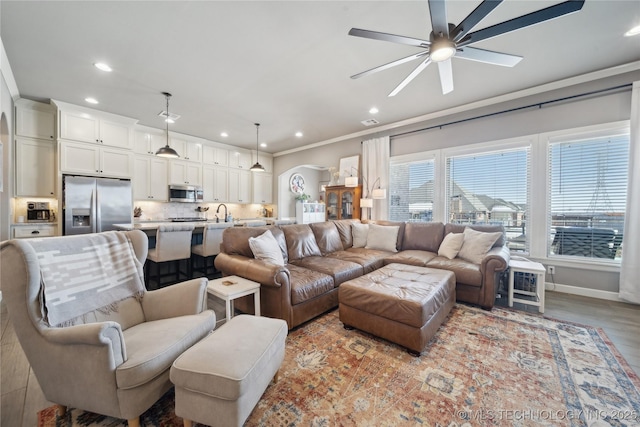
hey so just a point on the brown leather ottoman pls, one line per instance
(404, 304)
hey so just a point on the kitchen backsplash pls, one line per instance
(155, 211)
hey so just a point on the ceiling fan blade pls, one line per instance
(478, 14)
(376, 35)
(446, 76)
(488, 56)
(523, 21)
(411, 76)
(438, 12)
(389, 65)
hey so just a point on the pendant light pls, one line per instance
(167, 151)
(257, 167)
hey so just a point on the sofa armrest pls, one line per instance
(181, 299)
(252, 269)
(496, 260)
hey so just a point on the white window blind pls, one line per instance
(411, 191)
(491, 188)
(588, 190)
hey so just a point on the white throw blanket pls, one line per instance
(83, 273)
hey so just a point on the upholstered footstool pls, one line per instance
(220, 379)
(404, 304)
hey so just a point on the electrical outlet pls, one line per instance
(551, 269)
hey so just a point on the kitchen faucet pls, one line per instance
(225, 211)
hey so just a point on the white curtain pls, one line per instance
(630, 267)
(375, 170)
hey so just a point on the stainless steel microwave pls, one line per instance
(185, 193)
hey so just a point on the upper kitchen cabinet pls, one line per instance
(148, 141)
(150, 179)
(262, 187)
(266, 160)
(35, 119)
(240, 159)
(217, 156)
(181, 172)
(35, 167)
(90, 159)
(188, 150)
(86, 125)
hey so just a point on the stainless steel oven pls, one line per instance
(185, 193)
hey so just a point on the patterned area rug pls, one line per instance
(499, 368)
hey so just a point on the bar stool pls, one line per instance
(210, 247)
(173, 243)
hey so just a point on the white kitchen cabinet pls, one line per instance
(307, 213)
(266, 160)
(217, 156)
(215, 184)
(35, 167)
(150, 179)
(35, 119)
(187, 150)
(33, 230)
(262, 187)
(240, 159)
(183, 172)
(91, 159)
(148, 142)
(86, 127)
(239, 186)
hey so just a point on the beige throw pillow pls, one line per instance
(359, 234)
(451, 245)
(382, 237)
(476, 244)
(265, 247)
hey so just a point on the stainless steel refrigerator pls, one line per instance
(92, 205)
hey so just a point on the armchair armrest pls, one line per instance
(252, 269)
(181, 299)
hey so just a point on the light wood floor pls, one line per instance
(22, 397)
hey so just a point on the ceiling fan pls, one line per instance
(447, 40)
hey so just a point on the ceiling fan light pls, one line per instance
(442, 49)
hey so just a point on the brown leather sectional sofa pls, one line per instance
(319, 257)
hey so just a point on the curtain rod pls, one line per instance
(537, 104)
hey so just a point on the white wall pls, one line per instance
(6, 130)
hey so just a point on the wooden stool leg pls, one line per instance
(61, 410)
(134, 422)
(187, 423)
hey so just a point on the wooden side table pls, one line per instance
(533, 277)
(239, 287)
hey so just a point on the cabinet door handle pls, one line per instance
(35, 232)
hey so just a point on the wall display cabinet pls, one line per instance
(217, 156)
(239, 186)
(262, 187)
(215, 182)
(240, 159)
(343, 202)
(183, 172)
(35, 167)
(150, 179)
(92, 159)
(35, 119)
(148, 142)
(188, 150)
(307, 213)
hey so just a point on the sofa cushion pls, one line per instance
(265, 247)
(235, 240)
(369, 259)
(278, 234)
(451, 245)
(153, 346)
(359, 233)
(327, 237)
(399, 224)
(423, 236)
(340, 270)
(476, 244)
(459, 228)
(466, 272)
(301, 241)
(418, 258)
(344, 229)
(307, 284)
(382, 237)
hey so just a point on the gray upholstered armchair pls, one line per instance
(95, 338)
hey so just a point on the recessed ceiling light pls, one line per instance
(224, 134)
(373, 110)
(633, 32)
(169, 120)
(263, 144)
(299, 134)
(91, 100)
(102, 66)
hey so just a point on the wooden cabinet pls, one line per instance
(150, 179)
(307, 213)
(215, 184)
(343, 202)
(239, 186)
(145, 142)
(240, 159)
(35, 119)
(217, 156)
(92, 159)
(35, 167)
(183, 172)
(262, 187)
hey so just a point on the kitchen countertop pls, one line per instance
(153, 225)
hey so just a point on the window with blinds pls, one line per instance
(411, 191)
(588, 192)
(491, 188)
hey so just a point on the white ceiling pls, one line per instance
(286, 64)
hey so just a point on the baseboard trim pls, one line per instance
(585, 292)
